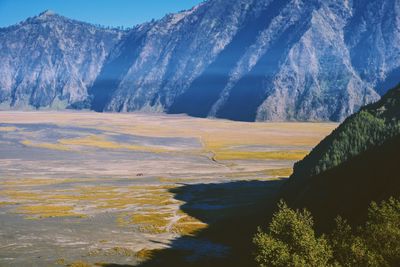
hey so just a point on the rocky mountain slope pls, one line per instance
(50, 61)
(356, 164)
(243, 60)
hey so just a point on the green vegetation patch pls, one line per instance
(370, 127)
(291, 240)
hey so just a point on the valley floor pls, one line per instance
(126, 188)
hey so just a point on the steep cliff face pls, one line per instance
(316, 80)
(176, 50)
(372, 36)
(264, 60)
(50, 61)
(240, 59)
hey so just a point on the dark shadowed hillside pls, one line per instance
(371, 126)
(356, 164)
(349, 188)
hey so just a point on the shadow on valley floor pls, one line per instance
(232, 211)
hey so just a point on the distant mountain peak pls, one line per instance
(47, 13)
(64, 56)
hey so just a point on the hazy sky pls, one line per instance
(105, 12)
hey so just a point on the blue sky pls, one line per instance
(105, 12)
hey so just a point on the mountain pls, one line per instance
(243, 60)
(49, 60)
(353, 166)
(262, 60)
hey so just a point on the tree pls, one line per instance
(349, 249)
(377, 243)
(291, 241)
(382, 230)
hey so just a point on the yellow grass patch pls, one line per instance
(35, 182)
(115, 251)
(189, 229)
(21, 195)
(60, 261)
(116, 203)
(146, 254)
(176, 180)
(188, 225)
(46, 211)
(80, 264)
(217, 133)
(8, 129)
(7, 203)
(263, 174)
(284, 172)
(153, 196)
(91, 141)
(102, 142)
(150, 188)
(151, 222)
(273, 155)
(97, 197)
(155, 222)
(46, 145)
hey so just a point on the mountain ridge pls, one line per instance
(64, 57)
(262, 60)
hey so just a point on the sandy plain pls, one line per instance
(111, 188)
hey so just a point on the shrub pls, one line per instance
(291, 239)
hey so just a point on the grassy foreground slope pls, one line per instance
(354, 165)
